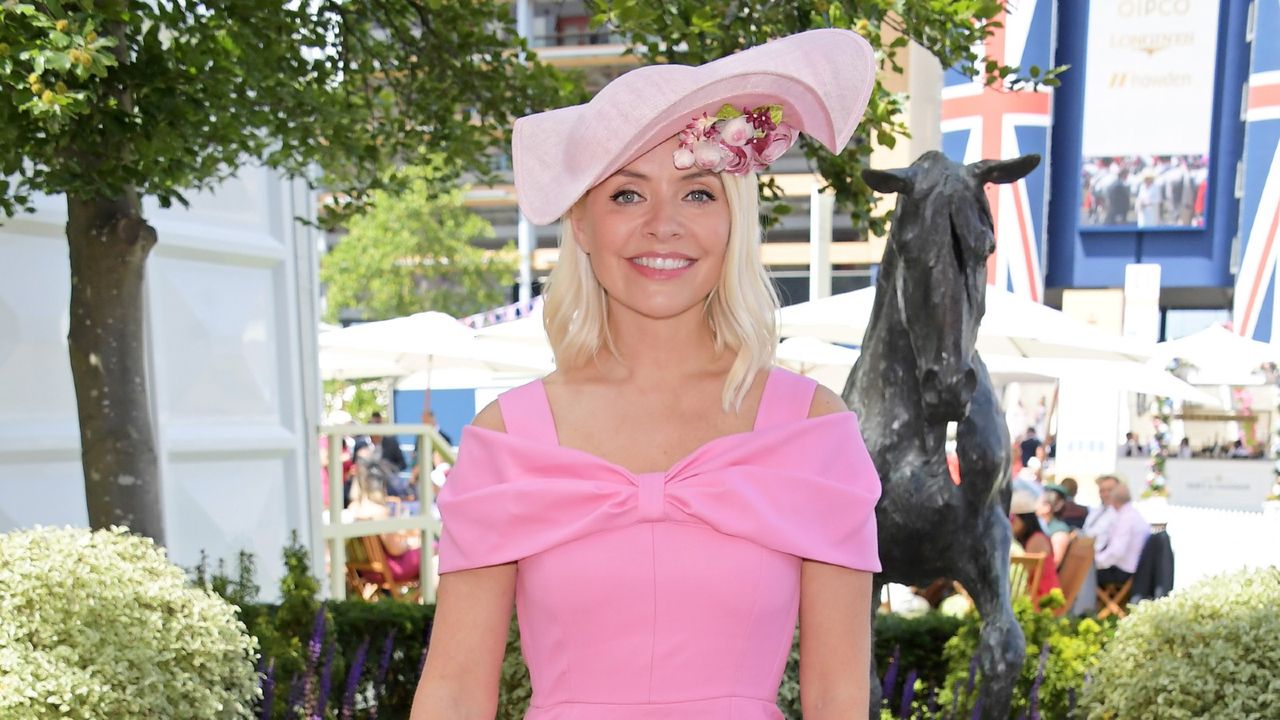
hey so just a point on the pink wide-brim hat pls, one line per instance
(821, 78)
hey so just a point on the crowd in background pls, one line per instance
(1146, 191)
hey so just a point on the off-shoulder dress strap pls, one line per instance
(786, 398)
(527, 414)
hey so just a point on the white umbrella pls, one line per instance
(429, 341)
(1220, 357)
(1012, 326)
(830, 364)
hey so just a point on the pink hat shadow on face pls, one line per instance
(821, 78)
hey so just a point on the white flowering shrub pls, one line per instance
(102, 625)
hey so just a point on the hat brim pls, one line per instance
(821, 78)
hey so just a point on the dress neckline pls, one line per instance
(680, 462)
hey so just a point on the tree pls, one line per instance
(109, 101)
(692, 32)
(414, 251)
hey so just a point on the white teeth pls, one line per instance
(668, 263)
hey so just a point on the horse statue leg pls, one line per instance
(1001, 644)
(877, 586)
(983, 449)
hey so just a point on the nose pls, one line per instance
(946, 395)
(664, 221)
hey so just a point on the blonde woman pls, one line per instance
(664, 506)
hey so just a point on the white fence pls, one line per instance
(334, 532)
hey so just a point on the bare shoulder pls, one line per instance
(826, 402)
(490, 418)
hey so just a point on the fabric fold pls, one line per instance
(807, 488)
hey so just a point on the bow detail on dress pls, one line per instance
(806, 488)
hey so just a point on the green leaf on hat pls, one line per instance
(775, 113)
(727, 112)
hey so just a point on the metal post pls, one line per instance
(526, 239)
(821, 216)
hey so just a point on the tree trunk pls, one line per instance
(109, 244)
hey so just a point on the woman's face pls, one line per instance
(656, 235)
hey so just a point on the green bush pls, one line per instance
(1209, 651)
(102, 625)
(1073, 648)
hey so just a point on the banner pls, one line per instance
(1148, 110)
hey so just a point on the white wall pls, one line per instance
(231, 318)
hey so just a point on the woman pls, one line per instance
(1049, 508)
(369, 502)
(671, 500)
(1027, 533)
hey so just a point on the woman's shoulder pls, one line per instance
(490, 418)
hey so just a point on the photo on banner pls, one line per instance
(1148, 111)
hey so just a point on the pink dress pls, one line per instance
(661, 596)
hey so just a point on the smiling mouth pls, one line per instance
(663, 263)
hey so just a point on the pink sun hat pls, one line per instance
(821, 80)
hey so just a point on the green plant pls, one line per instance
(1067, 647)
(102, 625)
(1209, 651)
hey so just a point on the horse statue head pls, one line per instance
(943, 232)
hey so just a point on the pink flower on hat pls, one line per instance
(737, 132)
(779, 141)
(736, 141)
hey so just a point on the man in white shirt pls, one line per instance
(1116, 554)
(1098, 523)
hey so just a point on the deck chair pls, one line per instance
(369, 574)
(1074, 569)
(1113, 599)
(1024, 573)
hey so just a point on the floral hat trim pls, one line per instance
(735, 141)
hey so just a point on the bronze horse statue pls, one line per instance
(918, 372)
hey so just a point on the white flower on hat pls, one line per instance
(708, 155)
(683, 158)
(737, 132)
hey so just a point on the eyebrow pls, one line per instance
(694, 175)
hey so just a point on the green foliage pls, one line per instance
(414, 251)
(1209, 651)
(358, 398)
(695, 31)
(918, 642)
(1073, 648)
(101, 625)
(169, 97)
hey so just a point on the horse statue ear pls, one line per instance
(888, 181)
(1002, 172)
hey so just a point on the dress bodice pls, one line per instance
(661, 595)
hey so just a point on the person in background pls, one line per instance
(1131, 447)
(1116, 553)
(389, 446)
(1184, 448)
(1098, 524)
(1029, 445)
(1027, 533)
(1049, 511)
(369, 502)
(1073, 513)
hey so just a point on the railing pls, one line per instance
(335, 532)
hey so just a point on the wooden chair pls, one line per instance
(369, 573)
(1074, 569)
(1112, 599)
(1024, 573)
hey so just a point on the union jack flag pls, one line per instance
(1253, 311)
(989, 122)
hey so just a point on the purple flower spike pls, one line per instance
(353, 680)
(325, 678)
(973, 674)
(908, 694)
(977, 710)
(1071, 703)
(891, 676)
(268, 690)
(1035, 687)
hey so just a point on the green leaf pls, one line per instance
(727, 112)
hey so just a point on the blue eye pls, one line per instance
(703, 196)
(626, 197)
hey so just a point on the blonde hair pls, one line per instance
(741, 309)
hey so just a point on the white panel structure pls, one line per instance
(231, 318)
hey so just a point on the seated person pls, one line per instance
(1049, 511)
(403, 549)
(1117, 552)
(1073, 513)
(1027, 533)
